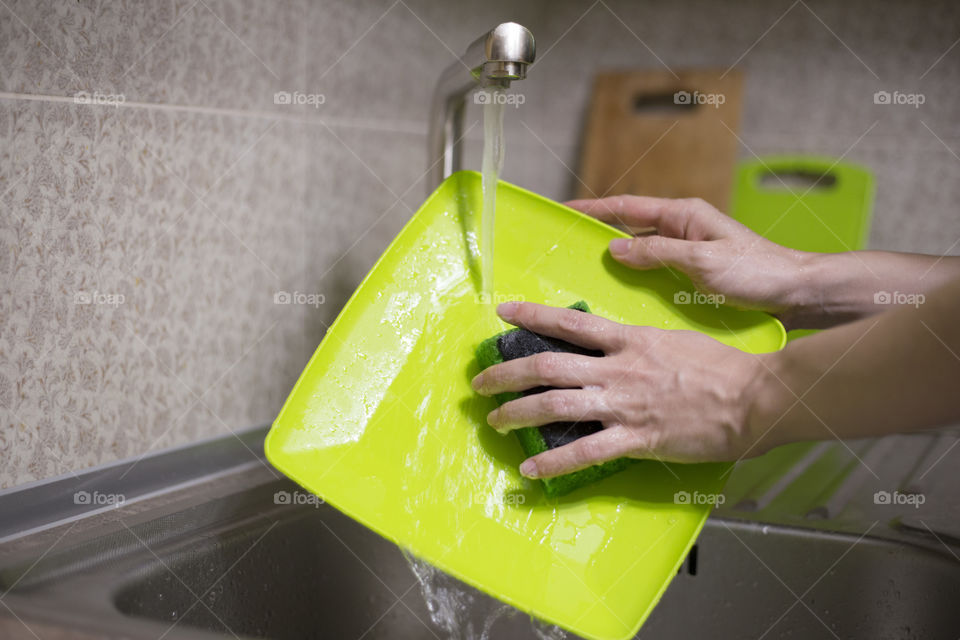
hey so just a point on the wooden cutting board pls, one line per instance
(653, 133)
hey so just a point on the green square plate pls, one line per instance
(384, 426)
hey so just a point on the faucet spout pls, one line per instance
(495, 59)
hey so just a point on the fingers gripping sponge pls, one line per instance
(519, 343)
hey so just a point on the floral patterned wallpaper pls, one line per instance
(145, 243)
(139, 280)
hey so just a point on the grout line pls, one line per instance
(399, 126)
(410, 127)
(406, 127)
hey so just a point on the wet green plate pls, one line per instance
(384, 426)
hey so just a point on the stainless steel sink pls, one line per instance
(237, 551)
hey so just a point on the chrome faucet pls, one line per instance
(494, 59)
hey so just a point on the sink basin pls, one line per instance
(314, 569)
(245, 554)
(297, 571)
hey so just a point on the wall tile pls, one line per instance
(215, 53)
(143, 251)
(376, 183)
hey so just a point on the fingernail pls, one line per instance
(529, 468)
(477, 381)
(492, 418)
(620, 247)
(507, 309)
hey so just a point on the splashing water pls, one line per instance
(492, 165)
(546, 631)
(449, 606)
(457, 610)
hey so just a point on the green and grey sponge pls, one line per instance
(519, 343)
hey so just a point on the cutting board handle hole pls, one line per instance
(797, 180)
(673, 102)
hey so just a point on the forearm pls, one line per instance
(896, 372)
(843, 287)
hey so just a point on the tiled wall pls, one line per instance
(142, 245)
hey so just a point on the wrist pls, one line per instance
(804, 302)
(768, 403)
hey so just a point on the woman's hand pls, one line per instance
(720, 255)
(670, 395)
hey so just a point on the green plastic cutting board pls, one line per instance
(828, 216)
(384, 426)
(828, 211)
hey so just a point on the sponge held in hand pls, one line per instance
(520, 343)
